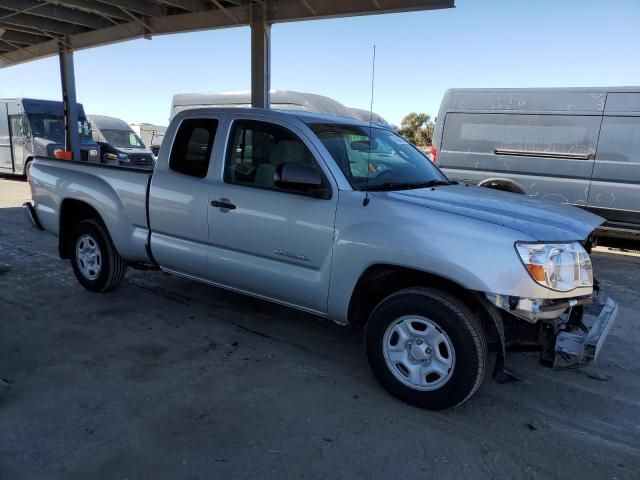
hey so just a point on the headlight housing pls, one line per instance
(558, 266)
(123, 156)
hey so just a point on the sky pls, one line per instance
(480, 43)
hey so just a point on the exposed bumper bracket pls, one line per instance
(576, 349)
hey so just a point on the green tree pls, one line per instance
(417, 128)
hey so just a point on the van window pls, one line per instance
(4, 125)
(122, 138)
(620, 139)
(192, 147)
(17, 126)
(622, 102)
(549, 134)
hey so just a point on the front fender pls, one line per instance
(477, 255)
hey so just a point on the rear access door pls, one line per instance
(179, 198)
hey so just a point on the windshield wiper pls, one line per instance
(390, 186)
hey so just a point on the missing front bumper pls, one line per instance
(575, 349)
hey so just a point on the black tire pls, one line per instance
(112, 267)
(450, 316)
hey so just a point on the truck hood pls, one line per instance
(543, 220)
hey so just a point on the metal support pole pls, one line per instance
(260, 56)
(68, 80)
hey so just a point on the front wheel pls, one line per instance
(426, 348)
(94, 259)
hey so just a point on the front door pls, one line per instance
(615, 186)
(267, 240)
(18, 141)
(6, 161)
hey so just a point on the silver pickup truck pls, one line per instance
(348, 221)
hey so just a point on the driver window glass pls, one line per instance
(255, 151)
(16, 126)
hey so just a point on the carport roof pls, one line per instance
(33, 29)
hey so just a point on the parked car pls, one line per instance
(573, 145)
(119, 144)
(351, 222)
(30, 128)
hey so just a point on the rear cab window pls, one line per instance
(191, 151)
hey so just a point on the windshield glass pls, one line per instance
(389, 161)
(51, 126)
(122, 138)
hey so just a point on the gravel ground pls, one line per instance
(168, 378)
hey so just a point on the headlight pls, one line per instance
(93, 152)
(123, 156)
(559, 266)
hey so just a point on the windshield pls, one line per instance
(51, 126)
(387, 159)
(122, 138)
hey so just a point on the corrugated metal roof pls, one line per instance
(33, 29)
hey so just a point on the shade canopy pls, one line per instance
(33, 29)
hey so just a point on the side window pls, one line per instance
(16, 126)
(4, 125)
(191, 149)
(622, 102)
(256, 149)
(620, 139)
(549, 134)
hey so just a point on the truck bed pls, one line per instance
(118, 194)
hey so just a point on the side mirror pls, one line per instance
(300, 178)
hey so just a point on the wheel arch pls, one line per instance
(381, 280)
(73, 211)
(26, 165)
(504, 184)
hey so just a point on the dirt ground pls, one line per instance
(168, 379)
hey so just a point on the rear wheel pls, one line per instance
(426, 348)
(94, 259)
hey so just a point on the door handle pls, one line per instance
(223, 203)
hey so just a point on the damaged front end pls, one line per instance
(568, 333)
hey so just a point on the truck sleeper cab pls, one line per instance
(30, 128)
(347, 221)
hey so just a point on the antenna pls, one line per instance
(365, 202)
